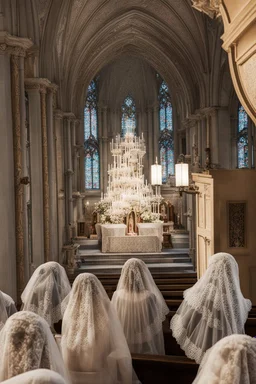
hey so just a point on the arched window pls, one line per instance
(91, 145)
(128, 124)
(242, 138)
(166, 142)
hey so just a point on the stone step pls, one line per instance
(120, 261)
(154, 268)
(164, 253)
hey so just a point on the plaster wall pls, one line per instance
(237, 185)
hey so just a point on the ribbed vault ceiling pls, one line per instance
(80, 37)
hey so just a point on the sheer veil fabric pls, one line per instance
(37, 376)
(3, 311)
(26, 344)
(93, 343)
(230, 361)
(45, 292)
(212, 309)
(9, 304)
(141, 308)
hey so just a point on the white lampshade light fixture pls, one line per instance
(181, 175)
(156, 174)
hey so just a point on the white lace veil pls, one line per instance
(93, 344)
(230, 361)
(9, 304)
(141, 308)
(26, 344)
(3, 311)
(37, 376)
(45, 292)
(212, 309)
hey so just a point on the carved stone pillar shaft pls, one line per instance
(105, 149)
(45, 176)
(20, 258)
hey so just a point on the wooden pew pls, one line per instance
(152, 369)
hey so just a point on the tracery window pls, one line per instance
(166, 141)
(128, 123)
(91, 145)
(242, 138)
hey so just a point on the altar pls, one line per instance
(116, 240)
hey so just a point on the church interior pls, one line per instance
(128, 133)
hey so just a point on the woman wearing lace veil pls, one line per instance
(231, 360)
(26, 344)
(141, 308)
(45, 292)
(37, 376)
(8, 303)
(212, 309)
(93, 344)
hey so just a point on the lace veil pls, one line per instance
(9, 304)
(141, 308)
(26, 344)
(230, 361)
(37, 376)
(45, 292)
(212, 309)
(3, 311)
(93, 344)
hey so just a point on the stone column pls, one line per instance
(7, 175)
(105, 149)
(58, 125)
(100, 134)
(18, 187)
(53, 211)
(150, 140)
(68, 175)
(43, 91)
(156, 134)
(214, 137)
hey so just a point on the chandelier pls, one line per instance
(127, 189)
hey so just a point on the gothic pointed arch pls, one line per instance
(91, 145)
(166, 138)
(128, 120)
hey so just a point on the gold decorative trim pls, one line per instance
(19, 234)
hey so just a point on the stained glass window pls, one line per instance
(128, 123)
(91, 145)
(166, 143)
(242, 138)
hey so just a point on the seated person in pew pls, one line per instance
(27, 344)
(37, 376)
(93, 344)
(232, 360)
(7, 308)
(45, 292)
(212, 309)
(141, 308)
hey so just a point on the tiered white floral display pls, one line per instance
(127, 190)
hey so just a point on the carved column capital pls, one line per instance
(210, 7)
(13, 45)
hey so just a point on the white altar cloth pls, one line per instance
(133, 244)
(113, 230)
(151, 229)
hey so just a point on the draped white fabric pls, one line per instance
(93, 343)
(212, 309)
(230, 361)
(3, 311)
(141, 308)
(45, 292)
(9, 304)
(37, 376)
(26, 344)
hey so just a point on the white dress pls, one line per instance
(45, 292)
(26, 344)
(93, 344)
(141, 308)
(231, 360)
(37, 376)
(212, 309)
